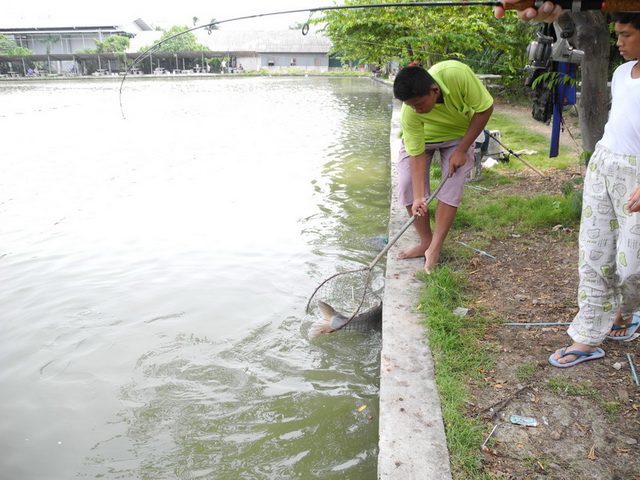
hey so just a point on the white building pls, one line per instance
(272, 51)
(247, 51)
(50, 39)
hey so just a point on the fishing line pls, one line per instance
(210, 25)
(574, 5)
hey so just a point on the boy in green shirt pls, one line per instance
(444, 109)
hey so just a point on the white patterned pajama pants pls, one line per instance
(609, 255)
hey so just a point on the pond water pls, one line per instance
(157, 250)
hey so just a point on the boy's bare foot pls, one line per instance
(430, 261)
(413, 252)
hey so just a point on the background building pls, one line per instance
(56, 48)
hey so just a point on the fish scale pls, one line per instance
(333, 320)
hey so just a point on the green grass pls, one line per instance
(458, 358)
(516, 137)
(560, 385)
(526, 371)
(514, 214)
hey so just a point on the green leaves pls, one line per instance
(7, 47)
(551, 79)
(113, 44)
(174, 41)
(381, 35)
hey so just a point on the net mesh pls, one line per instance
(349, 291)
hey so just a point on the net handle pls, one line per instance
(368, 268)
(405, 227)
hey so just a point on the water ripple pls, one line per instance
(155, 270)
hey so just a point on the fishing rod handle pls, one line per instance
(580, 5)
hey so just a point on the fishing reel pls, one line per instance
(552, 48)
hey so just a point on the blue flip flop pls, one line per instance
(582, 357)
(632, 326)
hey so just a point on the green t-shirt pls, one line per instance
(463, 94)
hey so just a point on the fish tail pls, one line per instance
(328, 312)
(320, 327)
(323, 325)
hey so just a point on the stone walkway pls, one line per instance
(412, 439)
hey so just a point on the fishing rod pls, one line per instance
(518, 157)
(573, 5)
(312, 10)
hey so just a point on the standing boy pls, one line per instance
(609, 256)
(444, 109)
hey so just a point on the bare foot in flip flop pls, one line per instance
(622, 329)
(575, 354)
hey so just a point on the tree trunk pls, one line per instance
(592, 36)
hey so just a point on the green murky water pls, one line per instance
(155, 270)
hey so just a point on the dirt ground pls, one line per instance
(589, 415)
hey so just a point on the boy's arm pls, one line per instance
(478, 122)
(418, 165)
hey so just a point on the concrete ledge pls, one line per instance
(412, 444)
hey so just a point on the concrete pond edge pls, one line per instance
(412, 440)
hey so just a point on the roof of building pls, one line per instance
(135, 26)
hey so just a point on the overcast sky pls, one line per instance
(163, 13)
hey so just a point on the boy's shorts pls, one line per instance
(451, 192)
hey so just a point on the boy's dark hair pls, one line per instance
(412, 82)
(626, 17)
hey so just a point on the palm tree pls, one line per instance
(212, 26)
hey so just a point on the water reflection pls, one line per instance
(155, 271)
